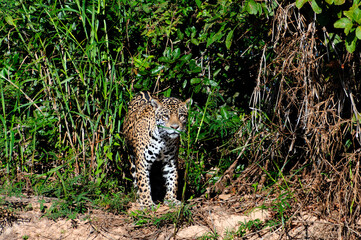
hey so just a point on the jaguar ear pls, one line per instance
(188, 102)
(155, 103)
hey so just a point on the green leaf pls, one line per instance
(146, 8)
(215, 73)
(348, 29)
(354, 13)
(196, 80)
(348, 13)
(180, 34)
(300, 3)
(339, 2)
(356, 16)
(199, 3)
(194, 67)
(350, 42)
(210, 40)
(184, 84)
(229, 39)
(216, 37)
(164, 59)
(195, 41)
(167, 52)
(358, 32)
(109, 155)
(315, 7)
(224, 113)
(252, 7)
(329, 1)
(186, 57)
(213, 83)
(344, 23)
(9, 19)
(176, 53)
(157, 69)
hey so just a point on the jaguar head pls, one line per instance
(171, 115)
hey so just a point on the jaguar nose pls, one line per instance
(174, 126)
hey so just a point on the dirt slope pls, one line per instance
(218, 218)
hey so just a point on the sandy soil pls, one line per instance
(220, 216)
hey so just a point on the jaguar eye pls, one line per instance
(165, 118)
(182, 118)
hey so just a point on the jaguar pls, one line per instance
(152, 129)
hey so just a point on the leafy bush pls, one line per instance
(274, 86)
(70, 67)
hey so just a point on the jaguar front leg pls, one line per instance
(171, 181)
(143, 184)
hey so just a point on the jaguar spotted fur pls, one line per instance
(152, 130)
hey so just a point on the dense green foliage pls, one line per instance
(70, 67)
(274, 87)
(342, 14)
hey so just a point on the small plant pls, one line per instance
(244, 228)
(249, 226)
(168, 218)
(74, 196)
(209, 236)
(59, 209)
(12, 189)
(143, 217)
(115, 202)
(25, 237)
(150, 217)
(280, 207)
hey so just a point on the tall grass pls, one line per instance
(61, 92)
(69, 68)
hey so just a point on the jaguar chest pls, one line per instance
(160, 148)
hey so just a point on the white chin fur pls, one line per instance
(173, 134)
